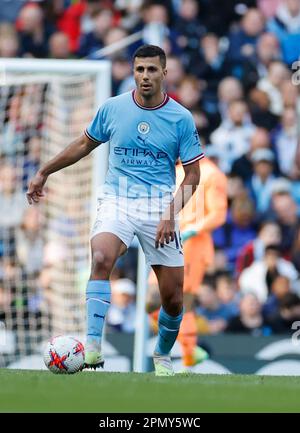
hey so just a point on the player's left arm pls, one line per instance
(166, 228)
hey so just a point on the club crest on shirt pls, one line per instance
(143, 127)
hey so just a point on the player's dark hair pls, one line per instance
(151, 51)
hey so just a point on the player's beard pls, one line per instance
(151, 92)
(147, 93)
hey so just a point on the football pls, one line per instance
(64, 355)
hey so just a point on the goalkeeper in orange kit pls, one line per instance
(204, 212)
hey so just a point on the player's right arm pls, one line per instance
(76, 150)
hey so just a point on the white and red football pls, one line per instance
(64, 355)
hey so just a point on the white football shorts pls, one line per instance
(126, 217)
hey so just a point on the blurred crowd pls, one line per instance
(230, 63)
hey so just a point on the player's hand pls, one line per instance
(187, 234)
(165, 232)
(35, 189)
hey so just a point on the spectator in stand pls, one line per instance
(268, 50)
(209, 65)
(77, 19)
(286, 26)
(129, 10)
(239, 229)
(12, 140)
(221, 262)
(174, 76)
(256, 66)
(210, 308)
(236, 188)
(289, 312)
(189, 27)
(203, 126)
(212, 67)
(189, 92)
(278, 73)
(261, 182)
(121, 75)
(31, 160)
(112, 36)
(229, 90)
(220, 16)
(232, 138)
(243, 166)
(279, 288)
(29, 241)
(268, 234)
(250, 320)
(34, 31)
(9, 42)
(156, 27)
(10, 270)
(226, 290)
(259, 106)
(31, 110)
(12, 203)
(242, 43)
(259, 277)
(285, 141)
(94, 40)
(284, 210)
(59, 46)
(54, 9)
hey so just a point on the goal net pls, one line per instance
(44, 249)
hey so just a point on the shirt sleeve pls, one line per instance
(98, 130)
(189, 147)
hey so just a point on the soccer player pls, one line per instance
(205, 212)
(147, 131)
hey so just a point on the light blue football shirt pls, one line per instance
(144, 144)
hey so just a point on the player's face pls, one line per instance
(149, 75)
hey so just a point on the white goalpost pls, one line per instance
(45, 249)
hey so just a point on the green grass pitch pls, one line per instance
(42, 391)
